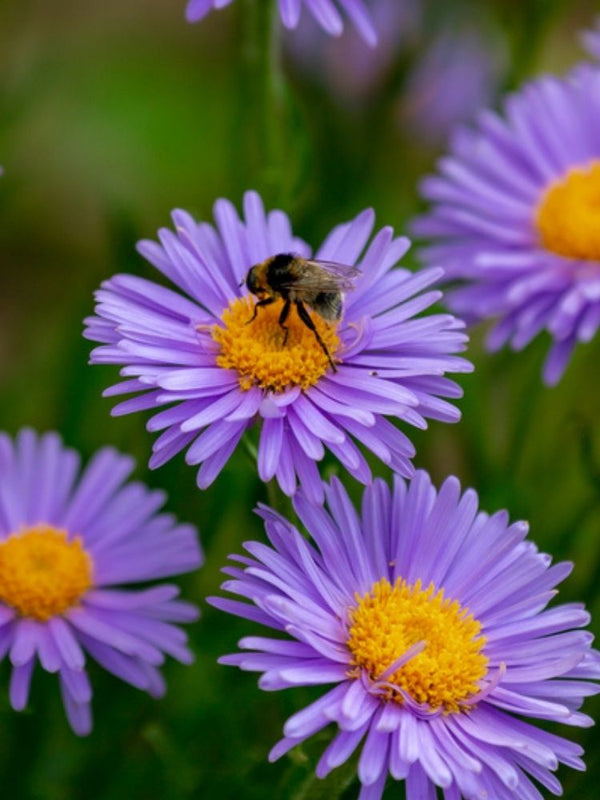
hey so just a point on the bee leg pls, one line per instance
(265, 302)
(305, 317)
(282, 318)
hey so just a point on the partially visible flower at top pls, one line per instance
(458, 74)
(346, 65)
(69, 542)
(325, 12)
(590, 39)
(431, 620)
(224, 366)
(516, 220)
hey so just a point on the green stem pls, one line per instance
(526, 35)
(250, 448)
(264, 91)
(333, 787)
(274, 495)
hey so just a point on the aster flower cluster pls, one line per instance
(427, 620)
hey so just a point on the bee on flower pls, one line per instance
(323, 351)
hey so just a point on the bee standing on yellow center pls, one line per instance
(297, 280)
(258, 354)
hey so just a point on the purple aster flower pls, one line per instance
(221, 367)
(326, 13)
(515, 217)
(458, 74)
(69, 542)
(430, 618)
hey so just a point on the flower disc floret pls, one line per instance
(212, 370)
(268, 356)
(515, 217)
(42, 573)
(568, 215)
(389, 620)
(427, 623)
(71, 543)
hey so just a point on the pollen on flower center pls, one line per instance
(568, 214)
(261, 353)
(387, 621)
(42, 573)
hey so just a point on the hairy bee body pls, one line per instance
(300, 281)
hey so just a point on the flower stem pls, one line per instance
(526, 33)
(250, 448)
(264, 92)
(274, 495)
(332, 788)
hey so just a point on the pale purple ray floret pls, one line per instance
(540, 664)
(392, 361)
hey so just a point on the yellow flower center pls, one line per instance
(388, 621)
(43, 574)
(261, 353)
(568, 214)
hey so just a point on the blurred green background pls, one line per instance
(112, 114)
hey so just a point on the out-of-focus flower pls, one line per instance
(447, 76)
(347, 66)
(325, 12)
(430, 618)
(225, 367)
(516, 220)
(591, 39)
(69, 542)
(457, 75)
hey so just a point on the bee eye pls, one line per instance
(251, 282)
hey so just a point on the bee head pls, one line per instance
(252, 282)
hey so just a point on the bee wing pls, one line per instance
(324, 276)
(343, 274)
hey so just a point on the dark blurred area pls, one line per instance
(111, 115)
